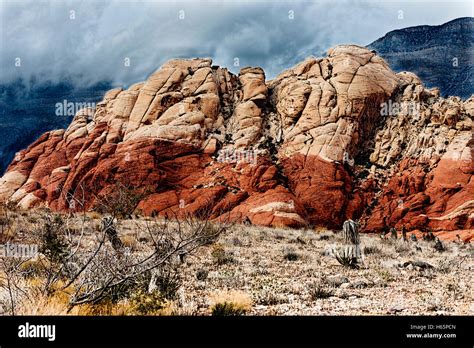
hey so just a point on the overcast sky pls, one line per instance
(90, 41)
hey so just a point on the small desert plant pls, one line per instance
(324, 237)
(393, 233)
(269, 298)
(5, 224)
(372, 249)
(34, 267)
(278, 235)
(300, 240)
(231, 303)
(237, 242)
(453, 289)
(52, 242)
(32, 219)
(129, 241)
(201, 274)
(227, 309)
(346, 258)
(428, 236)
(439, 246)
(385, 275)
(167, 282)
(145, 303)
(221, 256)
(101, 308)
(318, 291)
(291, 255)
(401, 247)
(445, 266)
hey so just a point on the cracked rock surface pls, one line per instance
(329, 139)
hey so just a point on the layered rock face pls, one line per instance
(329, 139)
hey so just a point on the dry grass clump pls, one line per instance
(55, 304)
(325, 235)
(7, 224)
(230, 303)
(58, 303)
(445, 266)
(129, 241)
(41, 302)
(34, 267)
(385, 275)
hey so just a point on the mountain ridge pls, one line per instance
(431, 52)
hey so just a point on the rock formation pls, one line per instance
(329, 139)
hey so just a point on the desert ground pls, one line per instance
(243, 270)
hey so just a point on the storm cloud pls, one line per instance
(91, 41)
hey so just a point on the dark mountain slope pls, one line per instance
(442, 56)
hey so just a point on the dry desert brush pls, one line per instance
(115, 274)
(95, 267)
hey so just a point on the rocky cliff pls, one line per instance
(329, 139)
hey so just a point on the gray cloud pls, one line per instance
(92, 47)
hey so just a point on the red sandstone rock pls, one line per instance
(310, 148)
